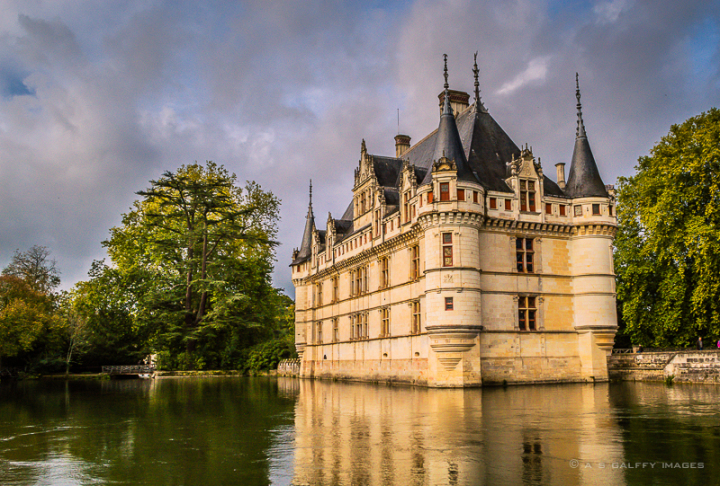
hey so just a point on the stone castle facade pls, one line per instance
(459, 263)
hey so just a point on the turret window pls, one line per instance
(563, 210)
(548, 208)
(447, 250)
(596, 209)
(430, 197)
(525, 253)
(444, 191)
(461, 194)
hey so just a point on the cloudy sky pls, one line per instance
(97, 98)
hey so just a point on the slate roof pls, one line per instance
(482, 151)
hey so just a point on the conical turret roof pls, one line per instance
(584, 179)
(448, 143)
(305, 250)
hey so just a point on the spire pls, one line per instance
(306, 245)
(448, 143)
(446, 85)
(584, 179)
(580, 131)
(478, 101)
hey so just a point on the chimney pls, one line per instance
(402, 145)
(560, 175)
(459, 101)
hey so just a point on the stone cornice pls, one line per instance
(366, 256)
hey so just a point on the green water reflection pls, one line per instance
(248, 431)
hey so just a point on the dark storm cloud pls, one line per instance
(281, 92)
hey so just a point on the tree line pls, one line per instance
(188, 281)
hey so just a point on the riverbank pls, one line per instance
(668, 366)
(156, 375)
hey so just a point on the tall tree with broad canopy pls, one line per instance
(197, 252)
(36, 268)
(668, 245)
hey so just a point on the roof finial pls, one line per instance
(580, 131)
(446, 72)
(310, 206)
(478, 101)
(477, 83)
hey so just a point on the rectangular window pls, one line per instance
(336, 330)
(531, 195)
(578, 210)
(336, 289)
(610, 210)
(596, 209)
(444, 191)
(527, 313)
(493, 203)
(416, 317)
(415, 273)
(385, 322)
(384, 273)
(508, 204)
(319, 294)
(461, 194)
(524, 252)
(318, 333)
(548, 208)
(365, 279)
(447, 250)
(562, 210)
(430, 197)
(527, 195)
(448, 303)
(475, 197)
(406, 207)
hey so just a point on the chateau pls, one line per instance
(459, 263)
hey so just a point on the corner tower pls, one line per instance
(594, 305)
(451, 230)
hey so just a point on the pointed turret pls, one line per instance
(584, 179)
(448, 143)
(305, 250)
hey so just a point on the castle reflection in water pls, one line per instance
(364, 434)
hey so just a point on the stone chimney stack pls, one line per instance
(402, 145)
(459, 101)
(560, 175)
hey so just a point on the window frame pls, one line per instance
(447, 250)
(524, 256)
(527, 313)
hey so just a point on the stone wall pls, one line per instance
(289, 367)
(681, 366)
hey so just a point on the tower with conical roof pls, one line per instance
(594, 309)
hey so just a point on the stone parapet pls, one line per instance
(681, 366)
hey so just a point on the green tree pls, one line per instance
(36, 268)
(668, 244)
(195, 255)
(25, 315)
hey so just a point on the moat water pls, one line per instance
(257, 431)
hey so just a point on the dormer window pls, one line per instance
(527, 195)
